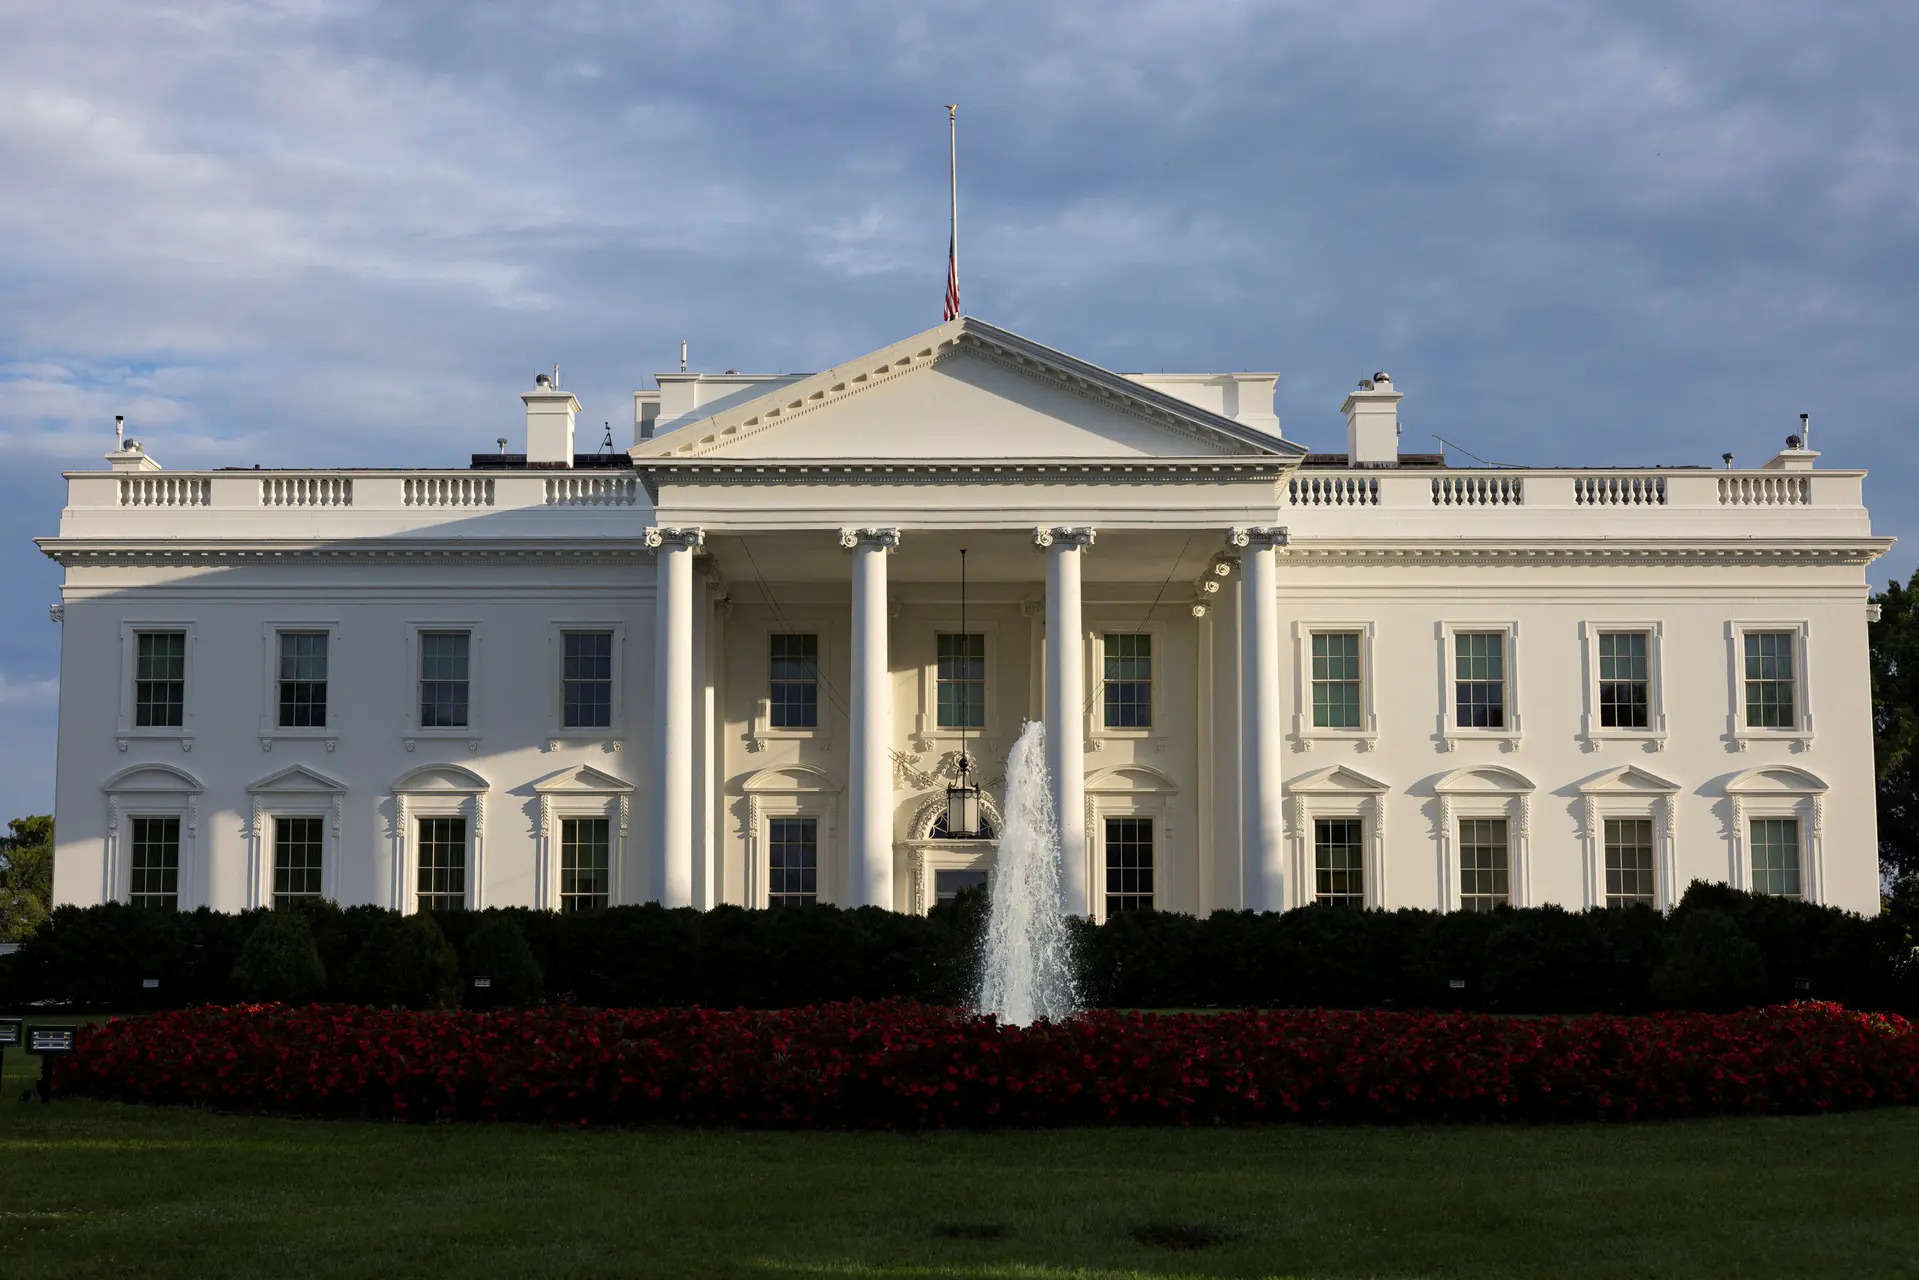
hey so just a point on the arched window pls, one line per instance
(939, 831)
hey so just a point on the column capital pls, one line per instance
(852, 537)
(1073, 537)
(658, 536)
(1257, 537)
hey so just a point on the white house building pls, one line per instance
(729, 665)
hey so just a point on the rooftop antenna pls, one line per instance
(501, 441)
(1727, 459)
(1805, 430)
(682, 355)
(606, 443)
(119, 432)
(556, 375)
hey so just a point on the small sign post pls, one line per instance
(11, 1030)
(47, 1043)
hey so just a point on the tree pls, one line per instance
(26, 876)
(1894, 644)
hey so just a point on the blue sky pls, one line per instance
(317, 233)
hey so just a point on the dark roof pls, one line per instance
(1405, 460)
(581, 462)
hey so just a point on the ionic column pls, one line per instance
(1262, 826)
(671, 883)
(870, 769)
(1065, 705)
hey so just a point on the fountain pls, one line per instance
(1026, 961)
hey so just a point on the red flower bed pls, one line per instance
(908, 1066)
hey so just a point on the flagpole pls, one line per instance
(952, 165)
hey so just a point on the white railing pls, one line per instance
(165, 491)
(592, 491)
(1478, 489)
(306, 491)
(1610, 490)
(1765, 490)
(1340, 489)
(447, 491)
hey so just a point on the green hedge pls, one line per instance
(1719, 947)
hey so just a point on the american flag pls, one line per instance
(952, 281)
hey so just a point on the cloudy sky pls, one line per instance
(315, 233)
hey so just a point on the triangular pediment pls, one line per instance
(1627, 780)
(297, 778)
(964, 389)
(580, 779)
(1338, 779)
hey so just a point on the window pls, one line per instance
(587, 680)
(297, 846)
(1775, 856)
(793, 870)
(302, 686)
(1479, 680)
(950, 882)
(1129, 864)
(584, 864)
(156, 863)
(1629, 865)
(442, 858)
(1336, 680)
(1129, 681)
(1771, 701)
(793, 695)
(1339, 874)
(160, 679)
(1625, 682)
(444, 673)
(962, 681)
(1484, 864)
(940, 831)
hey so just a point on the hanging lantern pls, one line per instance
(962, 805)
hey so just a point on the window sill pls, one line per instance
(126, 737)
(760, 736)
(1598, 737)
(608, 739)
(1366, 739)
(1798, 739)
(1508, 739)
(331, 737)
(468, 735)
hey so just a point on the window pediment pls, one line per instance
(1132, 778)
(152, 777)
(1338, 779)
(1483, 780)
(788, 780)
(297, 778)
(449, 778)
(580, 779)
(1627, 780)
(1778, 779)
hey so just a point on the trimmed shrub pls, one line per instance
(497, 951)
(1710, 965)
(406, 961)
(279, 961)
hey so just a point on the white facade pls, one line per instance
(1671, 663)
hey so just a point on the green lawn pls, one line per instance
(96, 1189)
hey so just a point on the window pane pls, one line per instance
(1336, 680)
(793, 861)
(1775, 856)
(444, 679)
(1128, 681)
(1770, 695)
(297, 851)
(159, 679)
(303, 668)
(1479, 684)
(793, 696)
(1129, 864)
(1339, 874)
(1483, 863)
(949, 883)
(442, 859)
(1629, 862)
(155, 863)
(962, 681)
(585, 862)
(1624, 683)
(587, 680)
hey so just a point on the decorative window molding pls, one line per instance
(1129, 791)
(791, 791)
(1451, 733)
(1338, 791)
(271, 730)
(472, 732)
(580, 791)
(437, 790)
(1742, 735)
(1590, 728)
(1098, 732)
(1629, 792)
(293, 792)
(153, 791)
(1305, 733)
(760, 729)
(613, 733)
(1486, 791)
(127, 732)
(931, 855)
(927, 734)
(1779, 791)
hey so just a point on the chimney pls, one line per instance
(549, 424)
(1372, 423)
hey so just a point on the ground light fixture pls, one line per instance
(11, 1030)
(962, 798)
(47, 1042)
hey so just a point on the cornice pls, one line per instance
(71, 552)
(1689, 551)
